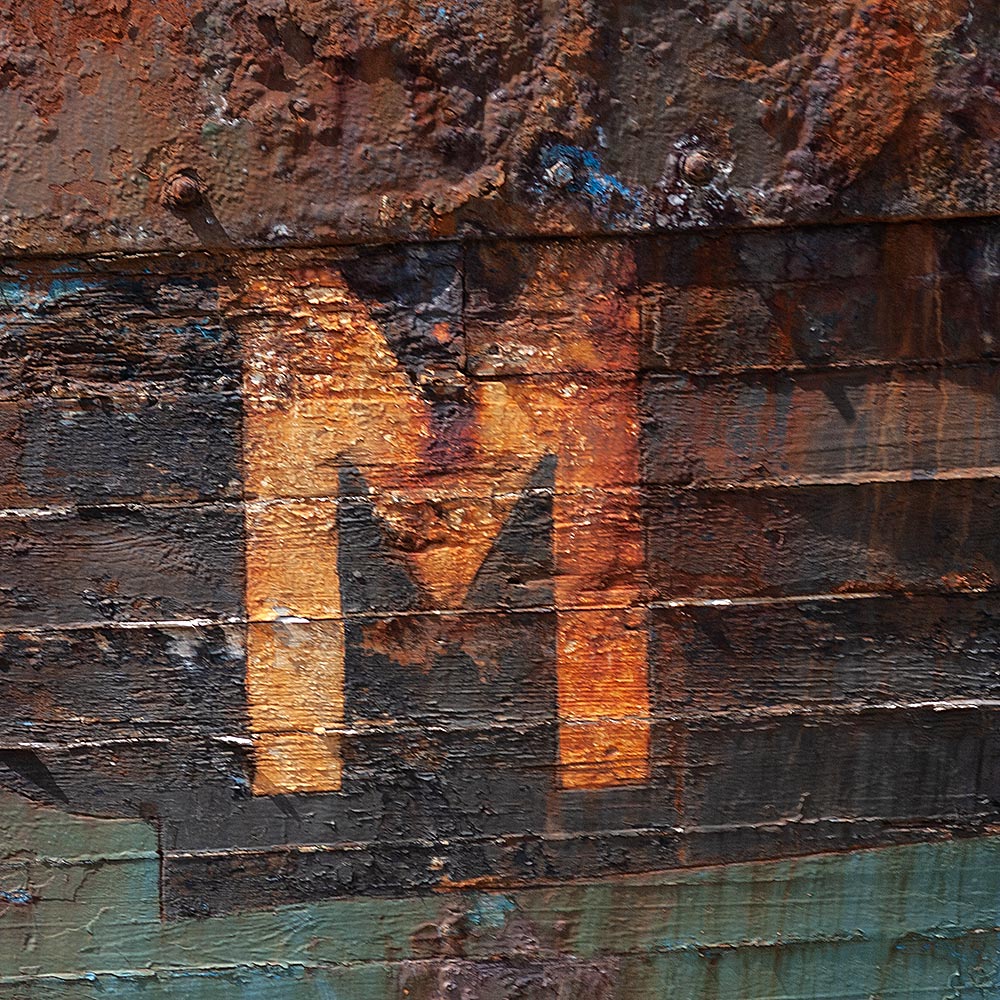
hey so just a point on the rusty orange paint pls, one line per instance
(323, 389)
(291, 671)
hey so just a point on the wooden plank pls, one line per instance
(814, 654)
(821, 427)
(185, 447)
(923, 536)
(231, 882)
(102, 329)
(924, 927)
(418, 810)
(497, 433)
(98, 564)
(542, 308)
(104, 682)
(733, 804)
(395, 550)
(908, 765)
(919, 292)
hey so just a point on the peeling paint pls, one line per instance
(497, 499)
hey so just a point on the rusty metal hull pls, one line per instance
(313, 122)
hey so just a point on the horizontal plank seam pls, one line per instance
(11, 254)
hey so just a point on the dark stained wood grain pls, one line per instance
(827, 426)
(95, 564)
(825, 654)
(921, 535)
(107, 449)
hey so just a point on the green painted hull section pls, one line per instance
(80, 918)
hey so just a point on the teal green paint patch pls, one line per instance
(30, 831)
(917, 921)
(491, 911)
(275, 983)
(958, 968)
(881, 894)
(962, 968)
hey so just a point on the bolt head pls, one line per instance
(559, 174)
(181, 192)
(698, 168)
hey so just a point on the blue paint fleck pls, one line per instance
(439, 14)
(13, 293)
(209, 332)
(605, 191)
(19, 897)
(241, 787)
(491, 911)
(67, 286)
(19, 292)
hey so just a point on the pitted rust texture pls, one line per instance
(311, 121)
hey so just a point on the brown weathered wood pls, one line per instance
(924, 535)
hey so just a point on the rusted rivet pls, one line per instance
(559, 174)
(698, 168)
(181, 191)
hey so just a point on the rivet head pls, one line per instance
(181, 191)
(559, 174)
(698, 168)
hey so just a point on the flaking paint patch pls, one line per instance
(797, 929)
(324, 390)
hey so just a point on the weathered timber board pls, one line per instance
(911, 536)
(394, 569)
(800, 929)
